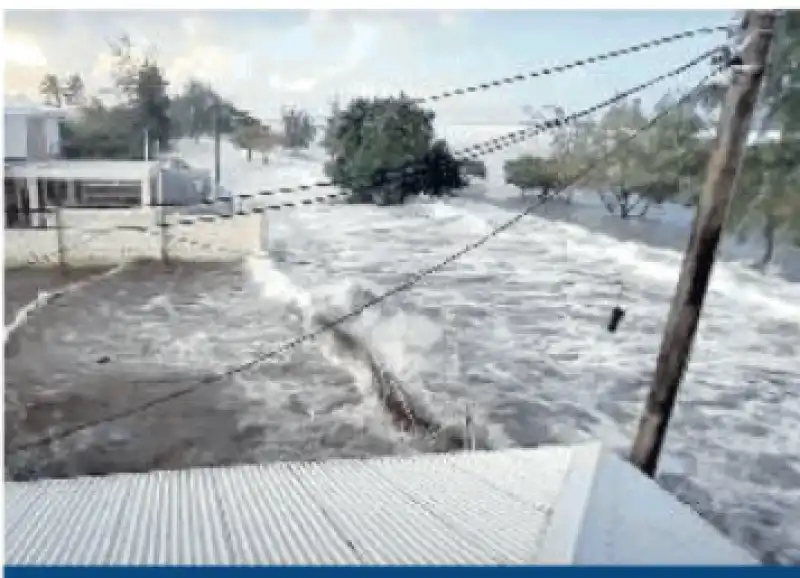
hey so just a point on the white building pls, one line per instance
(35, 177)
(32, 133)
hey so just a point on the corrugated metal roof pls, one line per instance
(508, 507)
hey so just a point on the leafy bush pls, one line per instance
(528, 172)
(383, 150)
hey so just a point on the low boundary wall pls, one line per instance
(90, 237)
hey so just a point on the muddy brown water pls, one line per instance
(151, 331)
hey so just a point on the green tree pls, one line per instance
(298, 129)
(673, 153)
(767, 198)
(118, 131)
(198, 109)
(102, 133)
(50, 89)
(642, 171)
(74, 91)
(252, 135)
(529, 173)
(764, 189)
(768, 193)
(622, 179)
(143, 88)
(383, 150)
(570, 148)
(151, 104)
(329, 138)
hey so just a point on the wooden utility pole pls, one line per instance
(723, 168)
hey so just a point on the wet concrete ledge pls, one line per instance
(97, 237)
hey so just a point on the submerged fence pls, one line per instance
(99, 237)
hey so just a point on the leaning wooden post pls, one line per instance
(723, 168)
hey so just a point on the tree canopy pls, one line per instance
(298, 129)
(384, 150)
(668, 161)
(117, 131)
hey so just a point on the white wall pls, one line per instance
(92, 237)
(52, 129)
(15, 136)
(34, 137)
(37, 138)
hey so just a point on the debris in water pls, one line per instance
(617, 313)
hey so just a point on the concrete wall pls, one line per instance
(52, 130)
(109, 236)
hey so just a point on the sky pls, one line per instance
(267, 59)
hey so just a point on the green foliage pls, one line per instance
(151, 104)
(252, 135)
(649, 169)
(102, 133)
(768, 192)
(74, 90)
(383, 150)
(57, 92)
(118, 132)
(298, 129)
(529, 172)
(329, 138)
(670, 157)
(197, 110)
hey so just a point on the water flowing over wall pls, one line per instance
(87, 237)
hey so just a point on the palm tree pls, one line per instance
(50, 89)
(74, 90)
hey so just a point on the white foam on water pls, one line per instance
(525, 317)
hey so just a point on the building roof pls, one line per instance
(30, 108)
(550, 505)
(83, 170)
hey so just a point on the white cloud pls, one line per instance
(259, 64)
(292, 85)
(24, 63)
(362, 42)
(20, 49)
(358, 40)
(208, 63)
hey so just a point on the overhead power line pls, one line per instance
(412, 281)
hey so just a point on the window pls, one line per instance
(109, 194)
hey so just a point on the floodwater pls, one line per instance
(150, 331)
(515, 332)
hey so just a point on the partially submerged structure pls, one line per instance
(35, 177)
(52, 204)
(32, 187)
